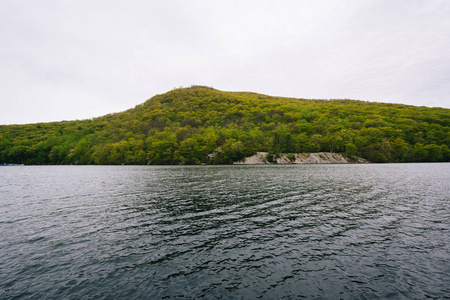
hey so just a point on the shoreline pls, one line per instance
(263, 158)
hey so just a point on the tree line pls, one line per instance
(202, 125)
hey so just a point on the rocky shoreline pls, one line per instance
(300, 158)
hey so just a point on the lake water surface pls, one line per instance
(225, 232)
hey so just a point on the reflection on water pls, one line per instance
(270, 232)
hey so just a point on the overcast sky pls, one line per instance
(66, 60)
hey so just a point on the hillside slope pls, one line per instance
(184, 126)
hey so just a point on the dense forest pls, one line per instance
(204, 125)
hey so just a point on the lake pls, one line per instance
(363, 231)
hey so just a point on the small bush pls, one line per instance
(272, 158)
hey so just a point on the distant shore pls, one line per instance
(299, 158)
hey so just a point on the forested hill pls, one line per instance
(203, 125)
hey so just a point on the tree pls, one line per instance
(190, 152)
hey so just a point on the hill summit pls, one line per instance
(203, 125)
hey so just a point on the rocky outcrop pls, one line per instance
(300, 158)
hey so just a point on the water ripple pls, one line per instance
(225, 232)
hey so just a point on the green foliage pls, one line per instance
(271, 158)
(203, 125)
(291, 156)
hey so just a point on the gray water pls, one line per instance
(225, 232)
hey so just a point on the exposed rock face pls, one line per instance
(300, 158)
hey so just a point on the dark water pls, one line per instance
(225, 232)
